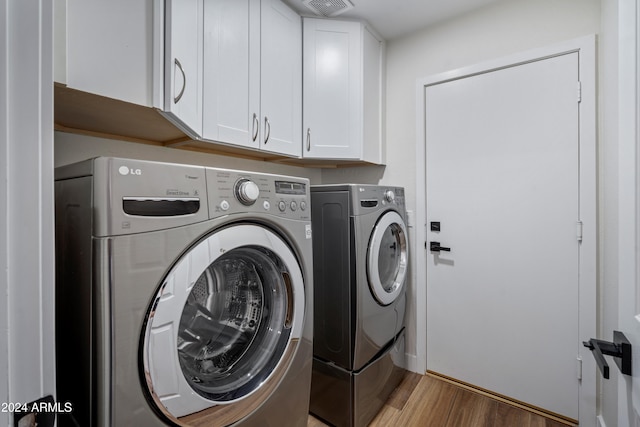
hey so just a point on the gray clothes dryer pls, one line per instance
(360, 266)
(184, 295)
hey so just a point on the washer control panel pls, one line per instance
(235, 192)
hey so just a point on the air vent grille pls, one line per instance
(328, 8)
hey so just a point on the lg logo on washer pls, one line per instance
(124, 170)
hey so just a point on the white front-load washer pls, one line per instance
(184, 295)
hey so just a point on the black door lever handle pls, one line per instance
(435, 247)
(620, 349)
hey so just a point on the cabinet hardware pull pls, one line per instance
(308, 139)
(267, 127)
(184, 81)
(256, 124)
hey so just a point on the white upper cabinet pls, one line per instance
(105, 48)
(252, 75)
(248, 74)
(183, 64)
(343, 88)
(231, 100)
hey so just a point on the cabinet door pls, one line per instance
(231, 80)
(281, 79)
(332, 89)
(103, 47)
(183, 62)
(372, 97)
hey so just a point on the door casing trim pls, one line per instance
(586, 49)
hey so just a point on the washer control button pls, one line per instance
(303, 205)
(294, 206)
(247, 192)
(389, 196)
(224, 205)
(282, 206)
(266, 205)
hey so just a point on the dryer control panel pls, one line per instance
(236, 192)
(374, 197)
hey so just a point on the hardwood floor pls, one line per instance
(427, 401)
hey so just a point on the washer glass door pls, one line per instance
(387, 258)
(224, 326)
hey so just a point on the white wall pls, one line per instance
(497, 30)
(70, 148)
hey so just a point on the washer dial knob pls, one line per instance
(389, 196)
(247, 192)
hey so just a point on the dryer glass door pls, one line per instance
(387, 257)
(224, 326)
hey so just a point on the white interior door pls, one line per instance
(502, 179)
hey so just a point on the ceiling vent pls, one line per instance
(328, 8)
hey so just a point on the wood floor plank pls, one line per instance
(386, 417)
(535, 420)
(429, 404)
(472, 409)
(427, 401)
(403, 392)
(507, 415)
(552, 423)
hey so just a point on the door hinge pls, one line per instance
(579, 231)
(579, 367)
(579, 92)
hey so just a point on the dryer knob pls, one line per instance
(247, 192)
(389, 196)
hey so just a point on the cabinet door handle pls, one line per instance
(184, 81)
(256, 125)
(267, 127)
(308, 139)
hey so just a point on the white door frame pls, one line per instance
(27, 276)
(628, 203)
(586, 48)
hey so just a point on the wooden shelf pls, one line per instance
(85, 113)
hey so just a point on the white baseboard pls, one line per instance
(601, 422)
(412, 363)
